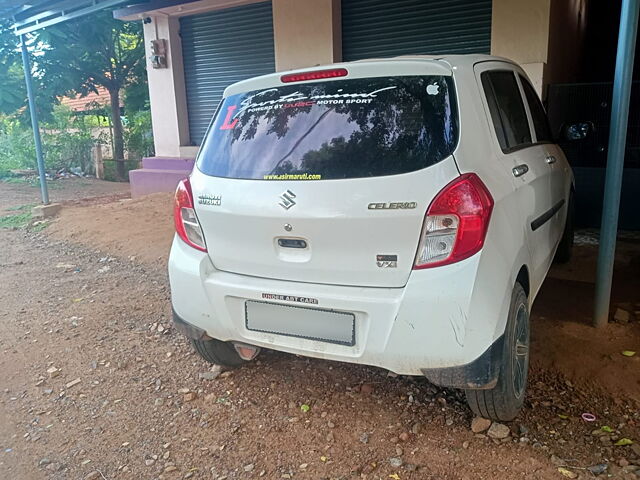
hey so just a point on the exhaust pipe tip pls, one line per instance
(246, 352)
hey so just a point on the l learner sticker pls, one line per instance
(228, 124)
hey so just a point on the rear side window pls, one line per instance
(507, 109)
(335, 129)
(539, 116)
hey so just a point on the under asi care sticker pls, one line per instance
(289, 298)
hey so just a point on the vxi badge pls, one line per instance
(393, 206)
(387, 261)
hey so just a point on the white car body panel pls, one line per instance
(407, 321)
(331, 216)
(531, 192)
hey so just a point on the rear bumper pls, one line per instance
(438, 325)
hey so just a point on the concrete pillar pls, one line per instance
(567, 28)
(166, 88)
(520, 32)
(306, 33)
(543, 36)
(96, 154)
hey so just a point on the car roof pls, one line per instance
(438, 61)
(453, 60)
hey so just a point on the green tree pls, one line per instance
(12, 89)
(13, 93)
(95, 51)
(136, 93)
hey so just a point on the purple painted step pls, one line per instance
(168, 163)
(159, 174)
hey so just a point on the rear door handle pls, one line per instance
(520, 170)
(550, 159)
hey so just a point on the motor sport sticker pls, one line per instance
(294, 100)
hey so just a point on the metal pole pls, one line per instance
(34, 121)
(615, 159)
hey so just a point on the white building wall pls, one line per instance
(308, 33)
(166, 88)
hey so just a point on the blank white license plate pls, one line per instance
(311, 323)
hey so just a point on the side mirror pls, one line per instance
(576, 131)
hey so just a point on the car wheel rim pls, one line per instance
(521, 352)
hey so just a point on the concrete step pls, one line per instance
(168, 163)
(147, 180)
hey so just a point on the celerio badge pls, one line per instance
(392, 206)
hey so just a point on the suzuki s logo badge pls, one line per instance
(287, 200)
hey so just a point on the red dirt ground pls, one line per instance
(66, 190)
(89, 296)
(562, 336)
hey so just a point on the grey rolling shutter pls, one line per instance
(220, 48)
(379, 28)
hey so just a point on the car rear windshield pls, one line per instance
(364, 127)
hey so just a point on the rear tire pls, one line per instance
(218, 352)
(504, 401)
(565, 247)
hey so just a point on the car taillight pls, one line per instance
(315, 75)
(456, 223)
(184, 215)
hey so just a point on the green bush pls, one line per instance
(17, 150)
(67, 141)
(69, 149)
(110, 169)
(138, 135)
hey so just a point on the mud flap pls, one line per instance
(188, 330)
(480, 374)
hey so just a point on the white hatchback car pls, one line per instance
(401, 213)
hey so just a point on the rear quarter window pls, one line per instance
(538, 115)
(507, 109)
(335, 129)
